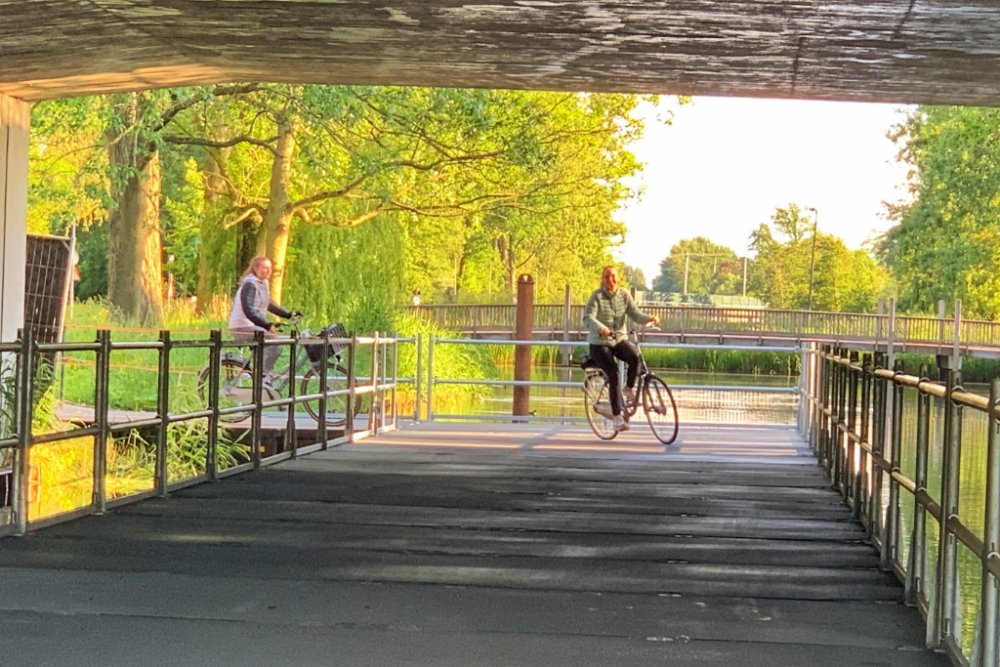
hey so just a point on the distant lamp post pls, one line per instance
(812, 255)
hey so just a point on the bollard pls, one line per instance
(522, 354)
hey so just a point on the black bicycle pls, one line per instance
(652, 394)
(236, 379)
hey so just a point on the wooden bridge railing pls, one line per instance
(694, 320)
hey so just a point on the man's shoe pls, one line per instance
(620, 423)
(629, 395)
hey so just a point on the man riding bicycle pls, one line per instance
(605, 316)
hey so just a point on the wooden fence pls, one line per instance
(733, 321)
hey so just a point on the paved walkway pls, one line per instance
(473, 546)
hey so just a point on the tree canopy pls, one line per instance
(798, 267)
(946, 241)
(700, 265)
(358, 194)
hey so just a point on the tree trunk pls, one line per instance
(135, 272)
(212, 276)
(276, 228)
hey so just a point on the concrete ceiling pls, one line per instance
(917, 51)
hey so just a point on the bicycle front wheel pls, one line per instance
(336, 406)
(597, 400)
(235, 388)
(661, 409)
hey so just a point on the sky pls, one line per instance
(725, 164)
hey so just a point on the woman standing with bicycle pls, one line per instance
(606, 317)
(252, 300)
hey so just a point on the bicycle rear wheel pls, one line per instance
(597, 400)
(661, 409)
(336, 406)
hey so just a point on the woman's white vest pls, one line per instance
(237, 319)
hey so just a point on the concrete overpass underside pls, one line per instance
(921, 51)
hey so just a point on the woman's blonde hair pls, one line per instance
(254, 265)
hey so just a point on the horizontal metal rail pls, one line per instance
(377, 385)
(434, 381)
(856, 411)
(944, 331)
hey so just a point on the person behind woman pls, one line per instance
(605, 317)
(252, 301)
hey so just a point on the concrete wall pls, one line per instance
(14, 121)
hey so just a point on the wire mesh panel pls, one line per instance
(47, 279)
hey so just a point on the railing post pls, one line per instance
(895, 412)
(352, 383)
(214, 371)
(989, 652)
(843, 442)
(567, 351)
(943, 603)
(890, 344)
(800, 421)
(324, 372)
(102, 372)
(256, 418)
(915, 574)
(876, 430)
(853, 467)
(373, 407)
(395, 381)
(430, 377)
(25, 414)
(866, 463)
(291, 433)
(956, 353)
(163, 413)
(418, 380)
(826, 410)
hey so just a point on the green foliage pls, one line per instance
(946, 243)
(802, 267)
(710, 269)
(348, 275)
(633, 276)
(479, 186)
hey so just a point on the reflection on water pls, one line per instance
(694, 405)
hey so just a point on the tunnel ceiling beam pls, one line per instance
(912, 51)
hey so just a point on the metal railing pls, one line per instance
(434, 381)
(25, 357)
(904, 451)
(706, 320)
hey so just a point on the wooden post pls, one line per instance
(523, 331)
(880, 311)
(956, 351)
(940, 325)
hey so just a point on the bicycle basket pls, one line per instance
(315, 352)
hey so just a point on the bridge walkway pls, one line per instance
(467, 546)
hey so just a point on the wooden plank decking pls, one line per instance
(457, 545)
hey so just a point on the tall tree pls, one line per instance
(705, 267)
